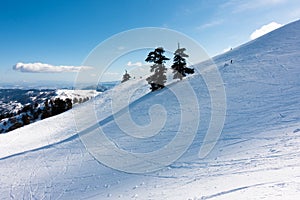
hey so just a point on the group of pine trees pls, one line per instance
(55, 107)
(33, 112)
(158, 79)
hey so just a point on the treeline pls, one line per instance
(33, 112)
(80, 100)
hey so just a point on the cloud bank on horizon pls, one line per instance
(47, 68)
(264, 30)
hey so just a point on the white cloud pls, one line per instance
(136, 64)
(264, 30)
(47, 68)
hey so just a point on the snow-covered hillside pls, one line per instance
(21, 107)
(257, 155)
(77, 96)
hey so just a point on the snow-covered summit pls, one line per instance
(257, 155)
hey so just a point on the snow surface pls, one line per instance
(71, 94)
(256, 157)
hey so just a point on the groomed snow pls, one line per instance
(256, 157)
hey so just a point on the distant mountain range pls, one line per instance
(12, 100)
(15, 103)
(55, 85)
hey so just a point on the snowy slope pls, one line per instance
(256, 157)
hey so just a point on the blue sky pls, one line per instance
(63, 32)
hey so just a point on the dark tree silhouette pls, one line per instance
(126, 77)
(37, 114)
(25, 119)
(59, 106)
(158, 79)
(68, 104)
(32, 112)
(75, 100)
(179, 64)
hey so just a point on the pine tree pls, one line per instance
(158, 79)
(126, 77)
(75, 100)
(179, 64)
(68, 104)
